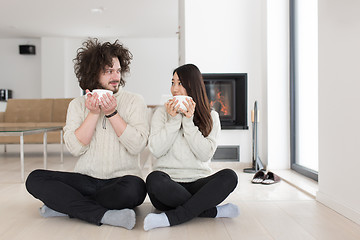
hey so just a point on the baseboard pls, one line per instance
(339, 207)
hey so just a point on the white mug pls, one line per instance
(100, 92)
(180, 99)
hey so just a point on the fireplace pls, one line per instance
(227, 95)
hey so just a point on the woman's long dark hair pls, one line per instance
(191, 79)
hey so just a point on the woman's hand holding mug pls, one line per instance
(190, 107)
(181, 103)
(172, 107)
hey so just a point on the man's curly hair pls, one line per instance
(93, 57)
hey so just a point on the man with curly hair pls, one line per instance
(108, 135)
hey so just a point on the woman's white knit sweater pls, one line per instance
(107, 155)
(180, 148)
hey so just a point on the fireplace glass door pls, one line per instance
(221, 96)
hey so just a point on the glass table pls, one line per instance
(22, 131)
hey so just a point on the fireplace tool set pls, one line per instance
(256, 161)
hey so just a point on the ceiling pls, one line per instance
(88, 18)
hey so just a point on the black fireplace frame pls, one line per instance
(241, 98)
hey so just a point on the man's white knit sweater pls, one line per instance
(180, 148)
(107, 155)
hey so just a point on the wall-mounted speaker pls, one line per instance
(27, 49)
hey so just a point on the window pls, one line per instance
(304, 87)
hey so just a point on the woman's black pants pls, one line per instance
(185, 201)
(84, 197)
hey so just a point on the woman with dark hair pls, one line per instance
(107, 135)
(183, 142)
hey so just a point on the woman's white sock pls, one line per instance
(153, 220)
(228, 210)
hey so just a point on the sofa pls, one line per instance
(34, 113)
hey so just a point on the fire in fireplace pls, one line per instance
(221, 97)
(227, 95)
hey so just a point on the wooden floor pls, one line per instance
(277, 211)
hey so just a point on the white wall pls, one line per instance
(20, 73)
(71, 84)
(230, 38)
(53, 67)
(339, 98)
(152, 67)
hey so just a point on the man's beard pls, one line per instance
(114, 91)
